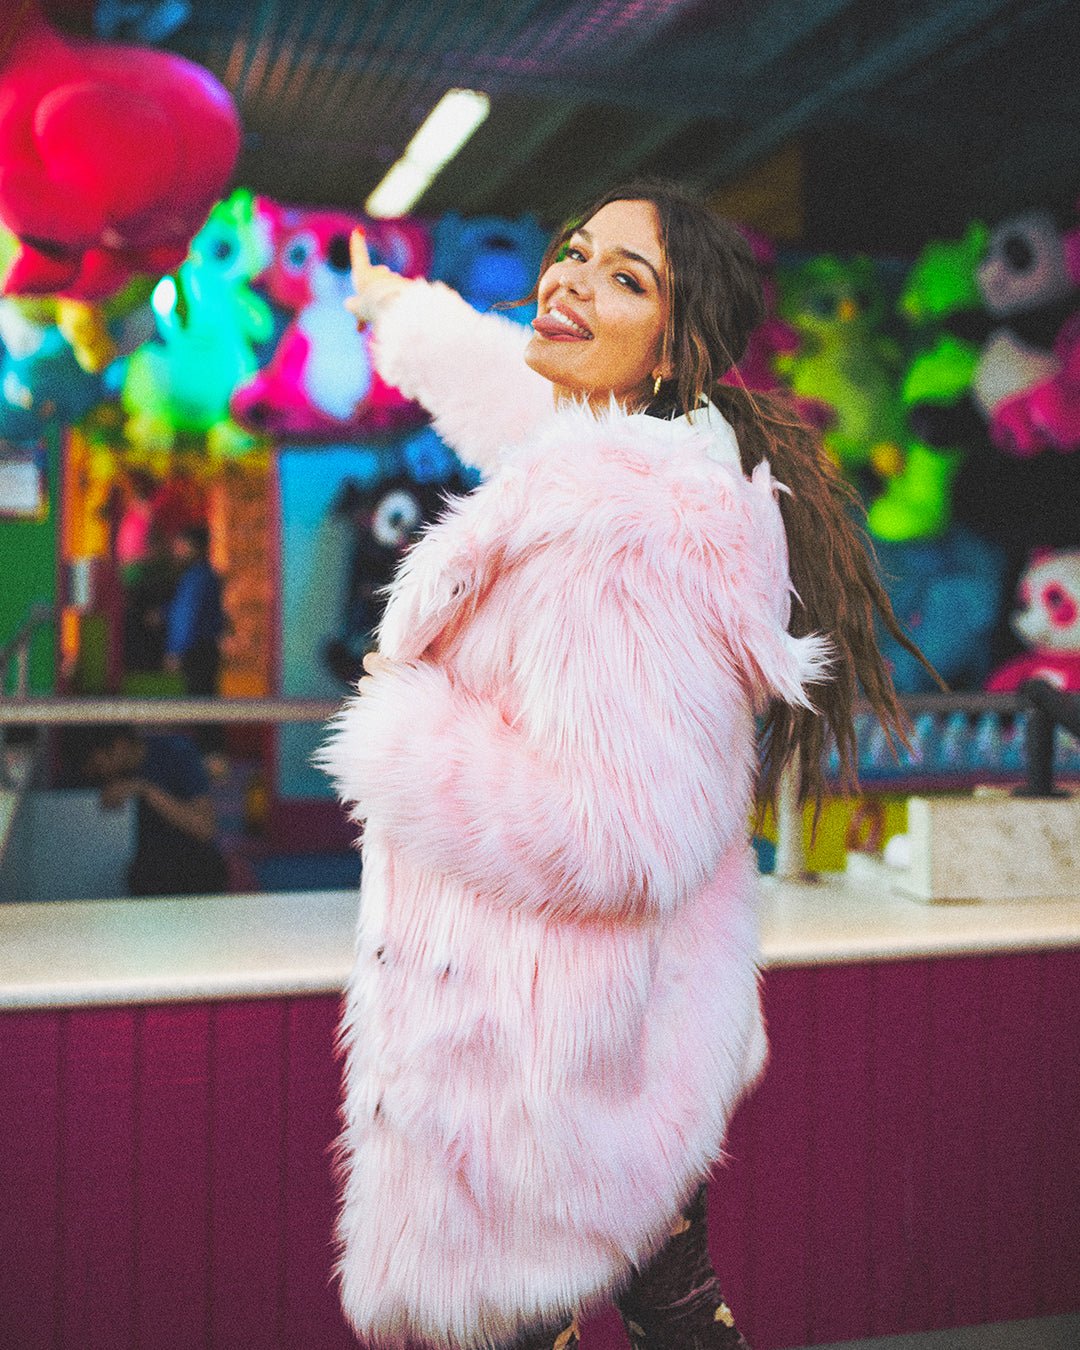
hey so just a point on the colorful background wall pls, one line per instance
(28, 563)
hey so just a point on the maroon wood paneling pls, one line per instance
(30, 1231)
(909, 1162)
(1056, 1127)
(172, 1155)
(773, 1185)
(955, 1176)
(246, 1213)
(311, 1314)
(97, 1179)
(899, 1146)
(1017, 1154)
(844, 1044)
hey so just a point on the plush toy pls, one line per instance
(320, 382)
(110, 158)
(490, 260)
(1011, 293)
(844, 361)
(942, 279)
(209, 321)
(774, 336)
(940, 423)
(773, 342)
(386, 518)
(428, 459)
(1028, 380)
(946, 592)
(1049, 622)
(98, 332)
(916, 502)
(41, 382)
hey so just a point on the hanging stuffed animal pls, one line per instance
(942, 279)
(386, 518)
(490, 260)
(916, 501)
(41, 382)
(1048, 622)
(946, 592)
(98, 331)
(209, 321)
(320, 382)
(844, 360)
(110, 159)
(1028, 380)
(1013, 299)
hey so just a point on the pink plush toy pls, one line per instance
(1046, 414)
(110, 159)
(1029, 393)
(773, 337)
(320, 381)
(1049, 622)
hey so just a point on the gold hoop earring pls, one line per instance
(656, 385)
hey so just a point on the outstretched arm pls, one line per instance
(467, 369)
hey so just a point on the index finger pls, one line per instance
(359, 258)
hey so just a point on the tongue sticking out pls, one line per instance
(550, 327)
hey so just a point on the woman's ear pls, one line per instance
(662, 372)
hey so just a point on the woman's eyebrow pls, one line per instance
(626, 253)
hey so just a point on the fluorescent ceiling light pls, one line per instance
(440, 136)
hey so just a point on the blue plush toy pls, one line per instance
(489, 260)
(947, 593)
(40, 379)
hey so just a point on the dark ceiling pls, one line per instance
(903, 121)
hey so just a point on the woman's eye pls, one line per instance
(630, 282)
(574, 252)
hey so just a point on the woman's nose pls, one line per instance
(575, 278)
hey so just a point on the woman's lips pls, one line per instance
(561, 326)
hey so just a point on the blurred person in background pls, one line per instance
(194, 626)
(176, 850)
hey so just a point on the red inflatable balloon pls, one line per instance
(110, 159)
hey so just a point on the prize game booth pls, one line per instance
(174, 355)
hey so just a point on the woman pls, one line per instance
(554, 1009)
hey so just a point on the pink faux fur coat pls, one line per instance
(554, 1007)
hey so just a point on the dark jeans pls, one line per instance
(673, 1303)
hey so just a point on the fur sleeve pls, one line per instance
(467, 369)
(625, 776)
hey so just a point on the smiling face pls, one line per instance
(602, 308)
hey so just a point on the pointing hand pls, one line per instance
(374, 285)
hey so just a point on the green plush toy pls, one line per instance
(942, 280)
(208, 319)
(916, 501)
(843, 359)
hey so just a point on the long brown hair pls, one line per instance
(715, 301)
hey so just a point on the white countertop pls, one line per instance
(70, 954)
